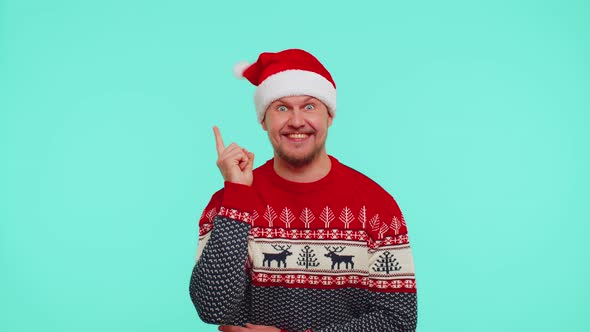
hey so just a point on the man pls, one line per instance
(303, 242)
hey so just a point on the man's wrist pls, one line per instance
(239, 197)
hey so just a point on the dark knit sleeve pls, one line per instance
(219, 280)
(391, 312)
(391, 279)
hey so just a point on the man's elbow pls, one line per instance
(210, 317)
(208, 308)
(404, 318)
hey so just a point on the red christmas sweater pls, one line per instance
(331, 255)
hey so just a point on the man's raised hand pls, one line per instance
(234, 162)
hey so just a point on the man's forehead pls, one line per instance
(295, 99)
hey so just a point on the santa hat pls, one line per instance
(288, 73)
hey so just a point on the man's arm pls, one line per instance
(391, 282)
(390, 312)
(220, 278)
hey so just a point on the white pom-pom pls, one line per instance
(239, 69)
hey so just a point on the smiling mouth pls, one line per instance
(297, 136)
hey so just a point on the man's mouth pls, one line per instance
(298, 135)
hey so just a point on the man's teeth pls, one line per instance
(298, 135)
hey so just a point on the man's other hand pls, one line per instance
(234, 162)
(249, 328)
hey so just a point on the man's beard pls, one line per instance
(300, 161)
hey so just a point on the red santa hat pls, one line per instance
(290, 72)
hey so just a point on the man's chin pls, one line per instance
(297, 161)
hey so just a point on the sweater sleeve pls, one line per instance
(219, 281)
(391, 279)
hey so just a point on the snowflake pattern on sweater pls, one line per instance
(332, 255)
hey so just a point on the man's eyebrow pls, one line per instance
(281, 101)
(278, 101)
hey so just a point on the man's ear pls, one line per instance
(330, 119)
(264, 124)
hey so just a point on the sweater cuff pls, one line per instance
(238, 201)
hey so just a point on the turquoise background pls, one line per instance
(474, 115)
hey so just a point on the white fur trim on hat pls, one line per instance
(294, 82)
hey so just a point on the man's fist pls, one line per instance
(234, 162)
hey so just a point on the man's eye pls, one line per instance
(282, 108)
(309, 107)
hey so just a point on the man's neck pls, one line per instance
(311, 172)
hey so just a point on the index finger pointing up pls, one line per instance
(218, 141)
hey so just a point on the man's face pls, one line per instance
(297, 127)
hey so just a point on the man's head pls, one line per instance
(297, 127)
(292, 72)
(295, 102)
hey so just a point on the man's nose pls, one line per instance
(297, 120)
